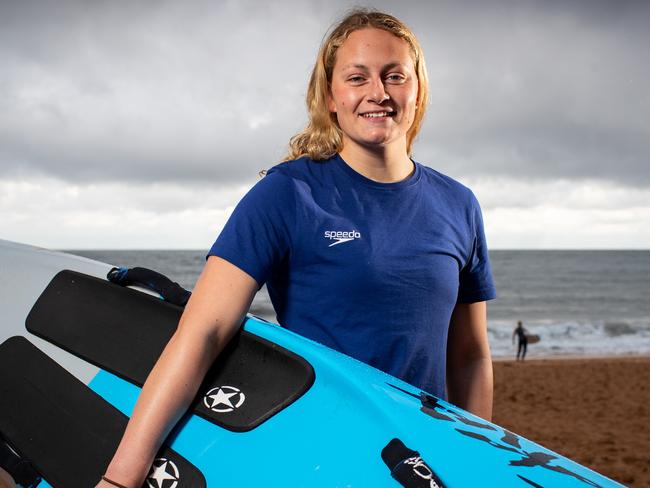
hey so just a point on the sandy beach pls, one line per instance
(595, 410)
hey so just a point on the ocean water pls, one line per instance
(578, 302)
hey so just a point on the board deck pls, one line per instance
(68, 432)
(332, 434)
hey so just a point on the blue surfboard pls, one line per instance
(332, 421)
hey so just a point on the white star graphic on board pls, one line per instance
(224, 399)
(160, 472)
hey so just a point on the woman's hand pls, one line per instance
(105, 484)
(6, 481)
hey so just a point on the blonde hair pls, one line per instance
(322, 138)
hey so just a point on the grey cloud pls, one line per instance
(543, 89)
(170, 93)
(199, 91)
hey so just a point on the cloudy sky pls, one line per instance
(141, 124)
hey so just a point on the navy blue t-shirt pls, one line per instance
(371, 269)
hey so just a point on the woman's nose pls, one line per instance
(377, 92)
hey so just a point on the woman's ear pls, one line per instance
(331, 106)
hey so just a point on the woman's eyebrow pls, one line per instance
(393, 65)
(355, 66)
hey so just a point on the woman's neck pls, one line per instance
(385, 165)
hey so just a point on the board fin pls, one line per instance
(67, 431)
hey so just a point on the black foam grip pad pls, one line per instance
(407, 467)
(67, 431)
(124, 331)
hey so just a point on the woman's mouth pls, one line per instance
(377, 115)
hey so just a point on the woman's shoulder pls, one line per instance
(287, 177)
(299, 168)
(282, 173)
(451, 187)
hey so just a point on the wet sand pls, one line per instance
(595, 411)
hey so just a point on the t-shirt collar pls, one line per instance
(407, 182)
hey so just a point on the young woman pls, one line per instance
(362, 248)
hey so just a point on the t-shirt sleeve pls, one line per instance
(476, 282)
(256, 237)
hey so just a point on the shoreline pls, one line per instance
(570, 357)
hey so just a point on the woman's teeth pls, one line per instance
(377, 114)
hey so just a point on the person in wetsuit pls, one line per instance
(522, 346)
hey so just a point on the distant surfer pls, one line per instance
(522, 337)
(361, 248)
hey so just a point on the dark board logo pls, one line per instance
(163, 474)
(499, 438)
(421, 470)
(224, 399)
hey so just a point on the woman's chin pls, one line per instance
(377, 139)
(379, 142)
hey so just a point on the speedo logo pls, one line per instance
(339, 236)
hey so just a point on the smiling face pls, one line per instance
(374, 89)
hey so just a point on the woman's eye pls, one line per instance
(396, 78)
(356, 79)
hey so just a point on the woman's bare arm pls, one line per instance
(219, 302)
(469, 363)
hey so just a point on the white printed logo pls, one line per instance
(339, 237)
(163, 474)
(223, 399)
(422, 470)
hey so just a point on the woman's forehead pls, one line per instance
(371, 46)
(371, 38)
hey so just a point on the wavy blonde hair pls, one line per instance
(322, 138)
